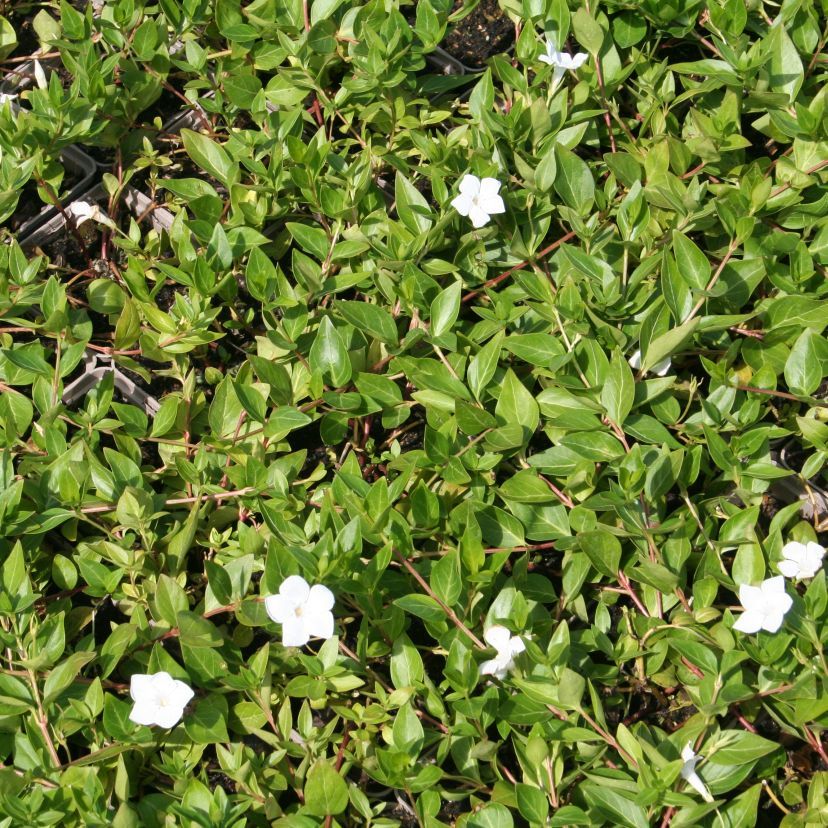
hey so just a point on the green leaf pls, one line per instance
(532, 803)
(736, 747)
(445, 578)
(667, 344)
(210, 156)
(804, 366)
(207, 724)
(483, 365)
(8, 38)
(786, 70)
(493, 815)
(406, 663)
(168, 600)
(574, 182)
(325, 790)
(321, 37)
(313, 240)
(407, 732)
(63, 675)
(615, 807)
(517, 405)
(423, 606)
(445, 309)
(329, 355)
(412, 208)
(619, 389)
(587, 31)
(370, 319)
(692, 263)
(603, 550)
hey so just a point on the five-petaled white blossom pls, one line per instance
(561, 61)
(689, 775)
(304, 611)
(801, 560)
(765, 606)
(159, 699)
(478, 199)
(507, 646)
(660, 368)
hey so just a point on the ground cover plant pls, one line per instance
(421, 418)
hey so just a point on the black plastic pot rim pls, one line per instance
(137, 202)
(77, 160)
(96, 367)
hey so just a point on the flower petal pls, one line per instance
(794, 550)
(169, 716)
(319, 599)
(773, 586)
(488, 187)
(469, 185)
(695, 782)
(750, 621)
(40, 75)
(319, 624)
(635, 360)
(489, 668)
(772, 621)
(163, 683)
(144, 713)
(812, 561)
(790, 569)
(689, 757)
(497, 636)
(182, 694)
(662, 368)
(140, 686)
(577, 61)
(294, 633)
(491, 204)
(497, 667)
(296, 589)
(462, 203)
(546, 59)
(279, 607)
(778, 604)
(478, 216)
(516, 645)
(751, 596)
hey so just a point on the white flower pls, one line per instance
(82, 211)
(303, 611)
(561, 61)
(159, 699)
(4, 97)
(507, 646)
(660, 368)
(801, 560)
(40, 75)
(765, 606)
(689, 775)
(478, 199)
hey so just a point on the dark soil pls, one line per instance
(487, 31)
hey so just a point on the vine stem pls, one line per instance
(175, 501)
(445, 607)
(505, 275)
